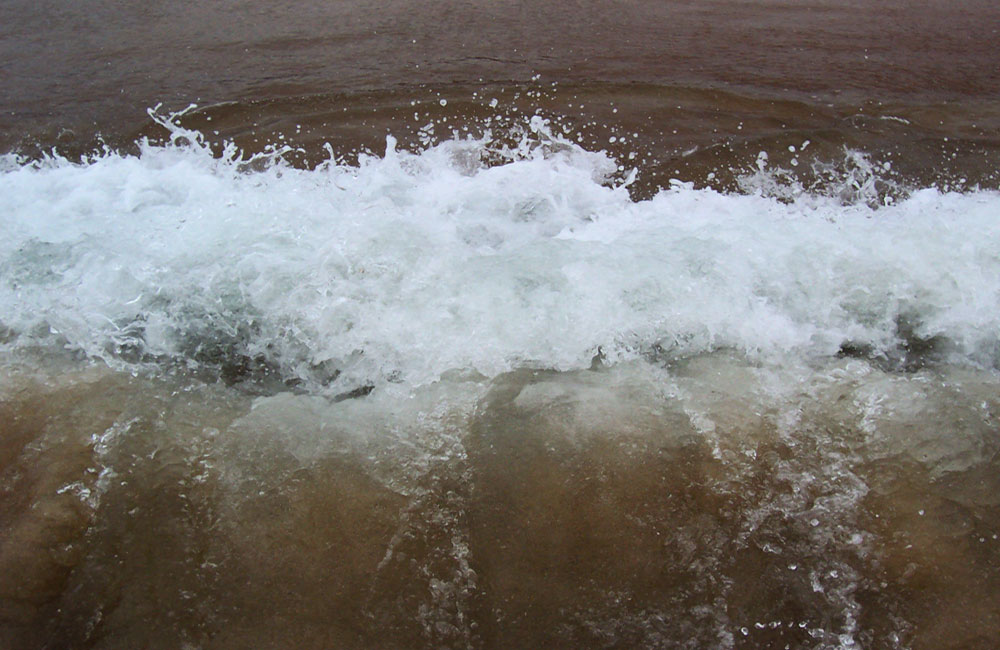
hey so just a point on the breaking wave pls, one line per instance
(475, 255)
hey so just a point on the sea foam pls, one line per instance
(406, 266)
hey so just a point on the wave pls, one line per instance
(475, 255)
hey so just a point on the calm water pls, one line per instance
(500, 325)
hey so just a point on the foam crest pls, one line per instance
(409, 265)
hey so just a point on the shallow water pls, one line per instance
(711, 503)
(500, 325)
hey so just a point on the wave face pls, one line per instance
(408, 266)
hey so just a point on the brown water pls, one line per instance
(712, 500)
(912, 80)
(616, 508)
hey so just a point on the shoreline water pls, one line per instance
(714, 502)
(625, 325)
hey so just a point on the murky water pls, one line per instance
(500, 325)
(712, 504)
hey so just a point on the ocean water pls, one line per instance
(500, 326)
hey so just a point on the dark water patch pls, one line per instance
(913, 352)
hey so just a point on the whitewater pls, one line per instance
(408, 266)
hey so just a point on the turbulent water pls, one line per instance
(483, 326)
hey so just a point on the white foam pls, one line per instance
(410, 265)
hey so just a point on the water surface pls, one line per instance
(495, 325)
